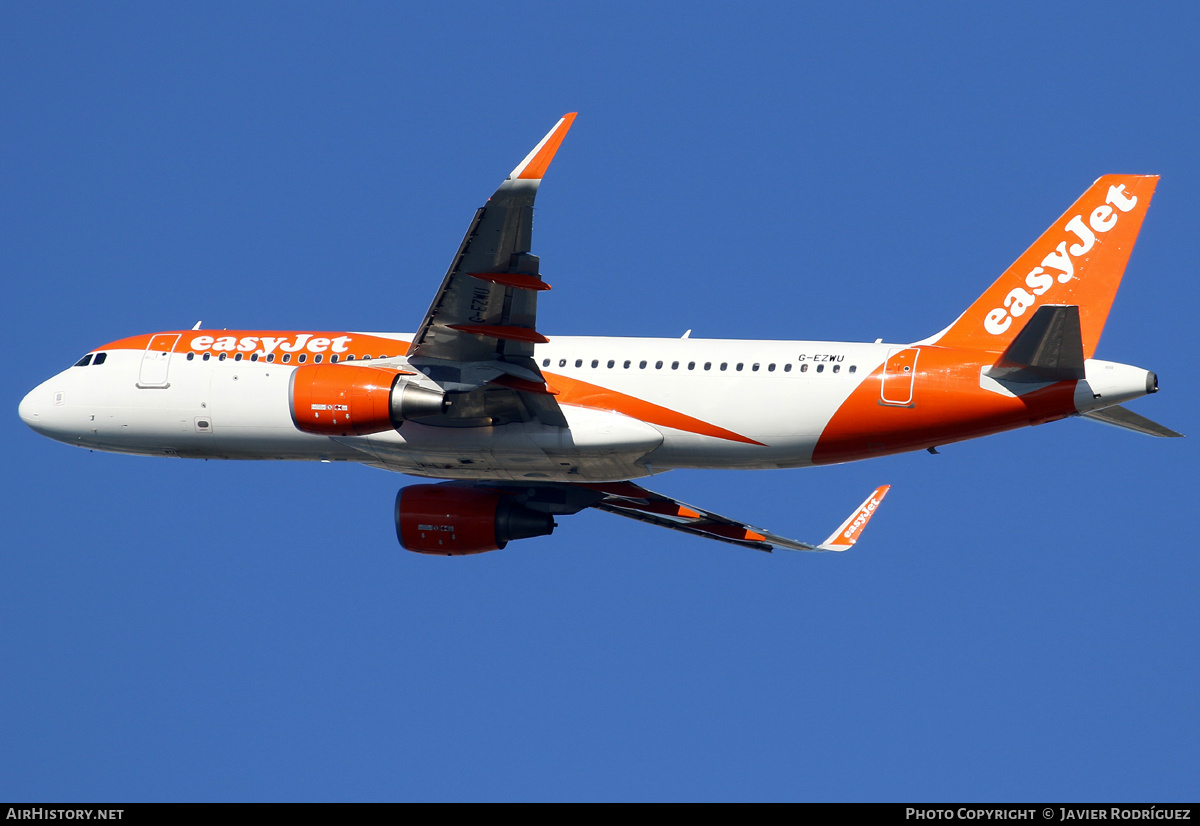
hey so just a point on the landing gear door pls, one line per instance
(898, 373)
(156, 360)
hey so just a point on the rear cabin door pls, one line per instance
(898, 373)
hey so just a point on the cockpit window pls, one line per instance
(100, 357)
(85, 361)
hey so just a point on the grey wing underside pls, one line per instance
(477, 339)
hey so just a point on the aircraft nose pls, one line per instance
(28, 409)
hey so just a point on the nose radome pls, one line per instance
(28, 408)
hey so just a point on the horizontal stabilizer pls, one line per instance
(1118, 416)
(1048, 348)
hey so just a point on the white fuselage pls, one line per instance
(634, 406)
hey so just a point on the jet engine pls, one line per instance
(355, 400)
(455, 519)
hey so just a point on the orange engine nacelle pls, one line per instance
(355, 400)
(454, 519)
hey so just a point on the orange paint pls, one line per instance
(948, 405)
(501, 331)
(511, 279)
(537, 167)
(1079, 260)
(583, 394)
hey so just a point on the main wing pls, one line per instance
(477, 339)
(635, 502)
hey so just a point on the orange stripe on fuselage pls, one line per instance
(948, 405)
(272, 341)
(583, 394)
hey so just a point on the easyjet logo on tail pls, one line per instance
(1102, 219)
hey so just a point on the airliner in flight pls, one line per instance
(526, 429)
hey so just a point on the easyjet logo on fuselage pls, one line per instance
(265, 345)
(1101, 220)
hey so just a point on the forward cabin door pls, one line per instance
(898, 373)
(156, 360)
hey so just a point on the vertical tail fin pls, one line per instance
(1079, 260)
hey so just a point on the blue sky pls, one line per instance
(1020, 621)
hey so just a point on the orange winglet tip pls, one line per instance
(849, 532)
(500, 331)
(524, 385)
(512, 279)
(687, 513)
(536, 162)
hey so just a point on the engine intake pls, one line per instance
(355, 400)
(455, 519)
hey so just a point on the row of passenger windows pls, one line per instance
(287, 357)
(708, 365)
(86, 360)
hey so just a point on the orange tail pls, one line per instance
(1079, 260)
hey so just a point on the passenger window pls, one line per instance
(288, 357)
(740, 365)
(545, 362)
(595, 362)
(658, 365)
(222, 357)
(578, 362)
(627, 363)
(366, 358)
(853, 368)
(641, 365)
(100, 357)
(270, 357)
(754, 367)
(238, 357)
(724, 364)
(207, 356)
(333, 359)
(770, 368)
(562, 362)
(708, 365)
(86, 360)
(300, 358)
(787, 368)
(803, 368)
(674, 365)
(254, 356)
(610, 364)
(820, 368)
(837, 368)
(691, 365)
(317, 358)
(189, 358)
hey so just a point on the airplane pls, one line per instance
(525, 429)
